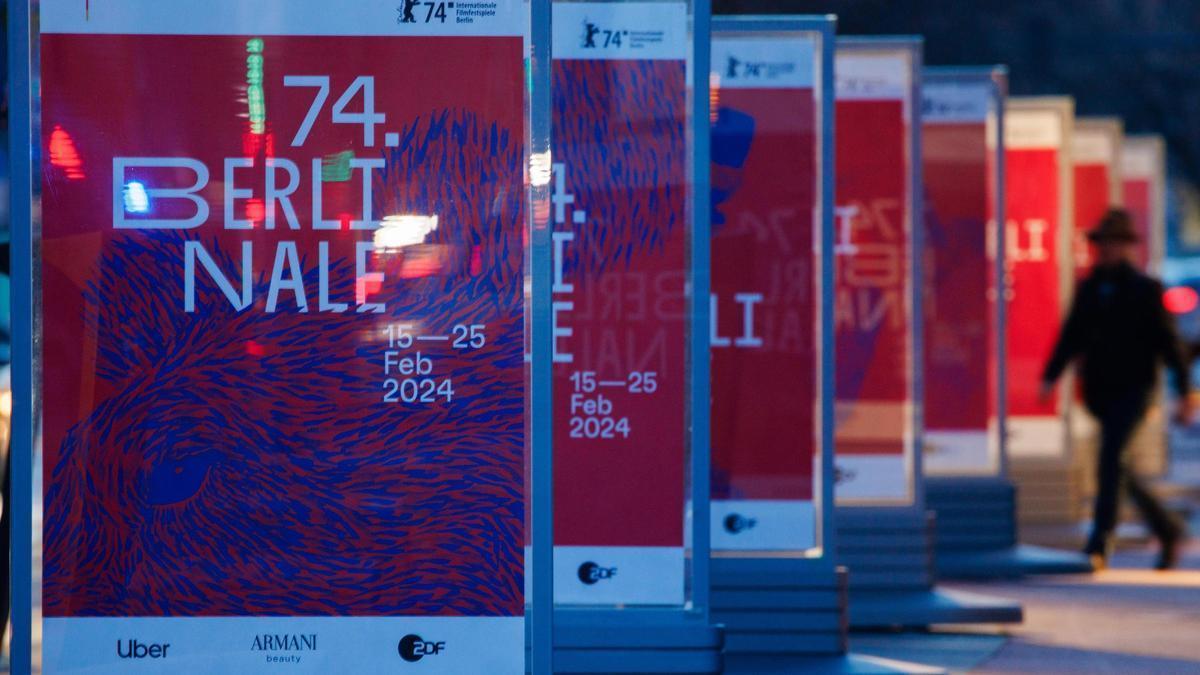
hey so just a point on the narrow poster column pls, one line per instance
(766, 292)
(1143, 191)
(968, 473)
(283, 307)
(621, 230)
(1096, 167)
(884, 533)
(1038, 227)
(961, 366)
(1096, 161)
(874, 304)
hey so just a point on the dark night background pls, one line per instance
(1136, 59)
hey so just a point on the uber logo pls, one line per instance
(136, 650)
(413, 648)
(590, 573)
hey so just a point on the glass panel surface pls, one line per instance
(282, 306)
(766, 284)
(958, 127)
(622, 228)
(874, 311)
(1037, 258)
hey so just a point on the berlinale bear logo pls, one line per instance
(406, 12)
(731, 67)
(590, 31)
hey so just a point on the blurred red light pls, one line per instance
(64, 155)
(1180, 299)
(256, 211)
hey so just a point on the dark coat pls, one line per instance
(1119, 331)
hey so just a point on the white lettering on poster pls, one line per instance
(870, 288)
(156, 180)
(611, 297)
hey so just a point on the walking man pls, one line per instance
(1119, 331)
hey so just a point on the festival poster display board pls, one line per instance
(1096, 158)
(875, 315)
(767, 137)
(622, 224)
(1038, 232)
(1143, 192)
(960, 116)
(282, 306)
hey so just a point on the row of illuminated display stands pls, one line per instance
(784, 302)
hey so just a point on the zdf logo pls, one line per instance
(590, 573)
(413, 648)
(736, 523)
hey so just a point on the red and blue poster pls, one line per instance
(619, 198)
(282, 300)
(1143, 178)
(873, 315)
(957, 124)
(1095, 156)
(765, 309)
(1038, 230)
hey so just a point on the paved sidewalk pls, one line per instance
(1127, 620)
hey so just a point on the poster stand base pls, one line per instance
(788, 615)
(635, 640)
(977, 533)
(889, 553)
(1049, 491)
(845, 664)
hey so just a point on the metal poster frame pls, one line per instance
(539, 603)
(914, 501)
(700, 310)
(540, 613)
(20, 141)
(820, 557)
(996, 78)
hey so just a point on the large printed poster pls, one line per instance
(1036, 232)
(621, 229)
(282, 301)
(766, 293)
(873, 316)
(959, 300)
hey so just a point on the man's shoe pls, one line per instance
(1168, 556)
(1098, 551)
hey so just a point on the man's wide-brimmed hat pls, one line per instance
(1116, 225)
